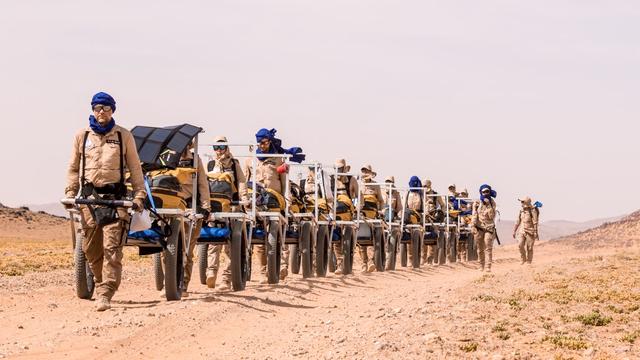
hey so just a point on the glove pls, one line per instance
(205, 214)
(138, 204)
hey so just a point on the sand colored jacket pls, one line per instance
(527, 221)
(484, 215)
(267, 174)
(102, 160)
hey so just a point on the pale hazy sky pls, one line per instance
(536, 97)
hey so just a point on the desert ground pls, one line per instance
(574, 302)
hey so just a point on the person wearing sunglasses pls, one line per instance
(224, 164)
(271, 174)
(101, 155)
(483, 225)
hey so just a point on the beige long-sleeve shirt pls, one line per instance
(203, 184)
(102, 161)
(267, 174)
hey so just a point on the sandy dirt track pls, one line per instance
(435, 312)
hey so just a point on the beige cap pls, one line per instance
(220, 138)
(390, 179)
(426, 183)
(464, 192)
(452, 186)
(526, 200)
(368, 168)
(342, 163)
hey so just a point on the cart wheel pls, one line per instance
(240, 268)
(392, 250)
(84, 277)
(249, 251)
(378, 248)
(416, 245)
(273, 253)
(173, 263)
(452, 246)
(295, 258)
(347, 251)
(323, 243)
(403, 254)
(203, 254)
(157, 271)
(332, 261)
(442, 254)
(305, 250)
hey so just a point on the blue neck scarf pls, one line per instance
(276, 146)
(99, 129)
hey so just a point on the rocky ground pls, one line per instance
(570, 304)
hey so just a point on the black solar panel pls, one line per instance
(162, 147)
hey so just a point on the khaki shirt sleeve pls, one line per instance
(242, 182)
(535, 214)
(133, 164)
(518, 221)
(353, 187)
(398, 208)
(474, 214)
(381, 202)
(247, 169)
(440, 201)
(73, 172)
(203, 186)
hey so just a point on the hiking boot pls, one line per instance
(211, 281)
(488, 270)
(364, 268)
(103, 304)
(225, 286)
(338, 271)
(185, 293)
(371, 268)
(283, 273)
(263, 281)
(522, 262)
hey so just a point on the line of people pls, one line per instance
(103, 152)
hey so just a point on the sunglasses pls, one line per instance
(99, 108)
(219, 147)
(265, 142)
(486, 191)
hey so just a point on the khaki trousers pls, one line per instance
(484, 241)
(102, 246)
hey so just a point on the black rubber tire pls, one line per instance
(173, 263)
(441, 258)
(403, 255)
(295, 254)
(347, 250)
(306, 262)
(378, 249)
(85, 284)
(333, 261)
(323, 243)
(452, 246)
(273, 248)
(392, 249)
(416, 247)
(240, 268)
(203, 261)
(472, 250)
(158, 274)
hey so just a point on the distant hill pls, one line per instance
(621, 233)
(22, 223)
(51, 208)
(552, 229)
